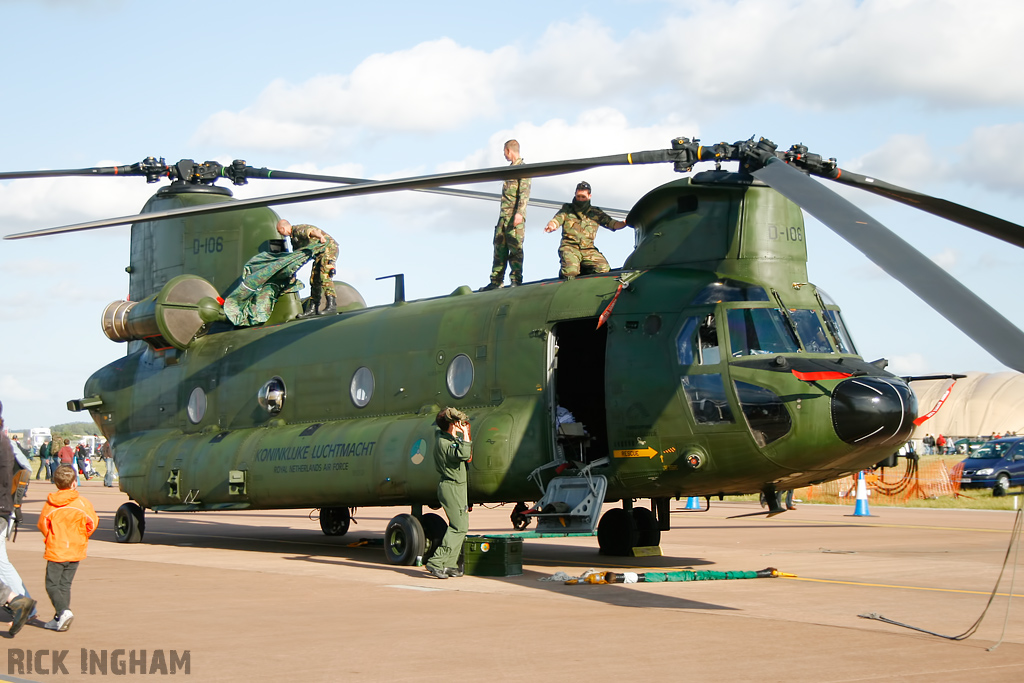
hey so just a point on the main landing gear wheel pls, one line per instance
(404, 540)
(434, 528)
(129, 523)
(617, 534)
(648, 532)
(335, 521)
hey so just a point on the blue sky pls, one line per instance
(924, 94)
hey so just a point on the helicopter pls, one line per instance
(706, 365)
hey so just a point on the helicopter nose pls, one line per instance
(873, 411)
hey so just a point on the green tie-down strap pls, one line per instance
(689, 575)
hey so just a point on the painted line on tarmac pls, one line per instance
(913, 588)
(896, 526)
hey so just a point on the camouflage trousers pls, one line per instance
(508, 249)
(576, 261)
(322, 282)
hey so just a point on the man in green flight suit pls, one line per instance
(322, 282)
(579, 222)
(509, 233)
(452, 452)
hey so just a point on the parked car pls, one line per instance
(965, 446)
(997, 465)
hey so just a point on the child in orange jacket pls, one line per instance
(67, 521)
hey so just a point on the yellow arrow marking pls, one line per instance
(636, 453)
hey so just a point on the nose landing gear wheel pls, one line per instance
(648, 533)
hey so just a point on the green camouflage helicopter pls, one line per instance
(706, 365)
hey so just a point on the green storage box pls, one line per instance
(493, 555)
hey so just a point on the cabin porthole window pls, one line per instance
(361, 388)
(272, 396)
(197, 405)
(460, 375)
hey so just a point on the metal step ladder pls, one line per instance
(571, 505)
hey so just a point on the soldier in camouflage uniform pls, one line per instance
(509, 232)
(579, 222)
(323, 266)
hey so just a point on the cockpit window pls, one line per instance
(729, 290)
(755, 331)
(764, 411)
(706, 394)
(842, 334)
(812, 334)
(697, 342)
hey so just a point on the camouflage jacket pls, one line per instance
(301, 238)
(579, 230)
(515, 194)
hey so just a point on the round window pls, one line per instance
(197, 405)
(272, 395)
(361, 389)
(460, 375)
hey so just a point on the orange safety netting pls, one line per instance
(892, 485)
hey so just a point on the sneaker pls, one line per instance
(437, 573)
(64, 623)
(454, 572)
(21, 609)
(489, 286)
(51, 624)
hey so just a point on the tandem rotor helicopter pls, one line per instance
(706, 365)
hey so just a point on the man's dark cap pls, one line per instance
(584, 186)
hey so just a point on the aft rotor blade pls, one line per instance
(537, 170)
(957, 304)
(966, 216)
(97, 171)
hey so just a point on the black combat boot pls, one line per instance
(331, 307)
(309, 308)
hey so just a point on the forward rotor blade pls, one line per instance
(618, 214)
(943, 208)
(422, 182)
(957, 304)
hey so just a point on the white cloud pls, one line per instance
(800, 53)
(26, 204)
(993, 155)
(946, 259)
(436, 85)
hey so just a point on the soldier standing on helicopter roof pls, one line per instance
(579, 222)
(452, 452)
(323, 266)
(509, 233)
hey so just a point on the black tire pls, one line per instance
(434, 528)
(335, 521)
(1002, 485)
(648, 533)
(129, 523)
(616, 533)
(403, 540)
